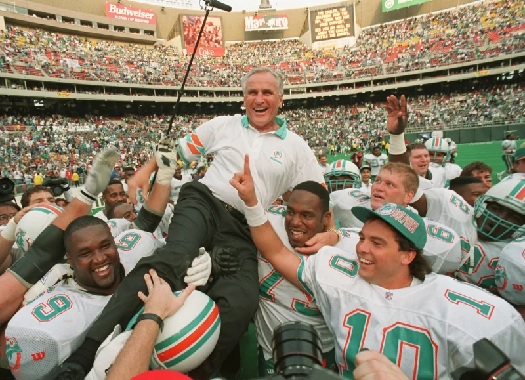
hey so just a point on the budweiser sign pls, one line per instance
(124, 12)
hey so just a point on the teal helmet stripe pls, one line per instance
(206, 311)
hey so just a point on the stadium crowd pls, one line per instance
(480, 30)
(48, 145)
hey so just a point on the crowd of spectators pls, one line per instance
(462, 34)
(52, 145)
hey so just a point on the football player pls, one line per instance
(375, 160)
(499, 218)
(342, 174)
(440, 150)
(306, 214)
(398, 183)
(510, 274)
(368, 297)
(99, 263)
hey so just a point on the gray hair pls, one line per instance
(257, 70)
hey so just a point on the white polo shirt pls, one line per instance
(279, 160)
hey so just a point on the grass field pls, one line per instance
(488, 152)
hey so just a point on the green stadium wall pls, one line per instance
(477, 134)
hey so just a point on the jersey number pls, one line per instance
(400, 335)
(56, 305)
(486, 282)
(271, 281)
(128, 241)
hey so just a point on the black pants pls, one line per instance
(199, 220)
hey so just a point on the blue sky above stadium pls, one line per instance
(240, 5)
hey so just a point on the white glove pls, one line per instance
(56, 274)
(200, 270)
(166, 158)
(98, 177)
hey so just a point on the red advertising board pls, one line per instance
(125, 12)
(211, 42)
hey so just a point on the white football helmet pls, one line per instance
(500, 213)
(438, 145)
(33, 223)
(342, 174)
(188, 337)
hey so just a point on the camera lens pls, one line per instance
(57, 191)
(7, 190)
(6, 186)
(296, 349)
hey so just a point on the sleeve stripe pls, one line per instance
(300, 272)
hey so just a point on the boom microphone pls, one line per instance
(217, 4)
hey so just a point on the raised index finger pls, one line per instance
(247, 170)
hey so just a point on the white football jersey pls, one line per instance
(450, 209)
(520, 176)
(481, 268)
(427, 329)
(132, 245)
(375, 162)
(280, 301)
(439, 178)
(42, 334)
(452, 171)
(444, 250)
(117, 226)
(510, 273)
(342, 202)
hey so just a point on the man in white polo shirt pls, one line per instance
(207, 215)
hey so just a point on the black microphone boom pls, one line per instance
(217, 4)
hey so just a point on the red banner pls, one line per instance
(211, 42)
(125, 12)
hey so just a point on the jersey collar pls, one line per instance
(281, 132)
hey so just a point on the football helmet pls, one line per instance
(188, 337)
(342, 174)
(33, 223)
(500, 213)
(438, 145)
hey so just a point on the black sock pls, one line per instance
(85, 354)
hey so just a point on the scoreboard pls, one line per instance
(332, 23)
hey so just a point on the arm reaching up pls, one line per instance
(396, 122)
(263, 234)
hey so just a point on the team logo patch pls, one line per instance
(13, 353)
(277, 156)
(387, 209)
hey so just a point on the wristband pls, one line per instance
(397, 144)
(153, 317)
(255, 216)
(339, 233)
(8, 232)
